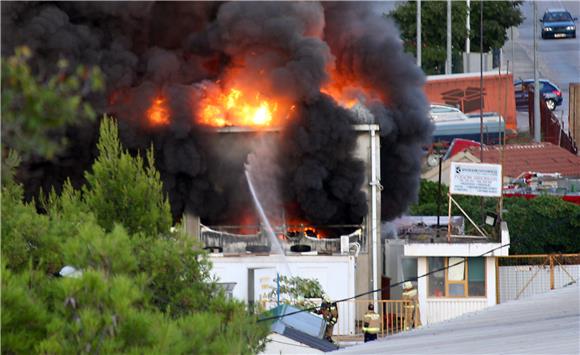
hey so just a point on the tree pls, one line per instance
(36, 109)
(142, 288)
(498, 17)
(298, 291)
(544, 224)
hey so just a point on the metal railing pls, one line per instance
(228, 239)
(395, 316)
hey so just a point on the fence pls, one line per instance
(395, 316)
(550, 126)
(254, 239)
(521, 276)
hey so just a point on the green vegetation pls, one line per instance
(298, 291)
(37, 109)
(498, 16)
(142, 289)
(542, 225)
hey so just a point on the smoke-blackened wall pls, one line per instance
(181, 50)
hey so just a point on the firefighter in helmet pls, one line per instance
(371, 324)
(329, 312)
(412, 315)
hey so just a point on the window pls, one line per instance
(459, 279)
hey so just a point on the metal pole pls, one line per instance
(419, 33)
(448, 61)
(439, 197)
(537, 122)
(481, 98)
(513, 55)
(481, 81)
(278, 289)
(468, 39)
(375, 165)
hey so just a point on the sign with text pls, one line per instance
(475, 179)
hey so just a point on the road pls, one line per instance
(558, 59)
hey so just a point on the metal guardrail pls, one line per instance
(395, 316)
(520, 276)
(226, 239)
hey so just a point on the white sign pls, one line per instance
(475, 179)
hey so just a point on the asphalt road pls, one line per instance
(558, 59)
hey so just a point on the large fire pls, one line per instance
(238, 108)
(158, 114)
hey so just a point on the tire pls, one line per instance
(300, 248)
(551, 104)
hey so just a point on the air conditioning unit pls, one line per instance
(344, 244)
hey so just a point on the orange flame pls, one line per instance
(347, 91)
(236, 108)
(305, 229)
(158, 114)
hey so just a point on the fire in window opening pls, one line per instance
(459, 279)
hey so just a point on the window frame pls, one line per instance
(464, 282)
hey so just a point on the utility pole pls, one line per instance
(467, 39)
(537, 124)
(419, 33)
(448, 61)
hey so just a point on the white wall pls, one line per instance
(435, 310)
(336, 275)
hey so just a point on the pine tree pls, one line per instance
(140, 288)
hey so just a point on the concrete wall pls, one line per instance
(363, 152)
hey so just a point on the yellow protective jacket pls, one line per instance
(371, 323)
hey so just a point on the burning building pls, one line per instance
(318, 101)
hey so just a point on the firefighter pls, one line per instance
(412, 315)
(371, 324)
(329, 312)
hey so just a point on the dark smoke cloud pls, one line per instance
(367, 47)
(175, 49)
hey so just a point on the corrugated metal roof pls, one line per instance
(544, 324)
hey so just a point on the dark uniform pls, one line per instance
(329, 312)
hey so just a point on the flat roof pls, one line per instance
(543, 324)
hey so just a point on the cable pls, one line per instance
(380, 289)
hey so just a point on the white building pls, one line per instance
(461, 287)
(344, 265)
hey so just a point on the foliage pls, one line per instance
(498, 17)
(142, 289)
(37, 108)
(117, 178)
(541, 225)
(298, 291)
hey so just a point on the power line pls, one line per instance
(381, 289)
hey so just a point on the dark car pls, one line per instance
(550, 91)
(558, 23)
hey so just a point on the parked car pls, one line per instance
(550, 91)
(558, 23)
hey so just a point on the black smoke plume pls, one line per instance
(179, 49)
